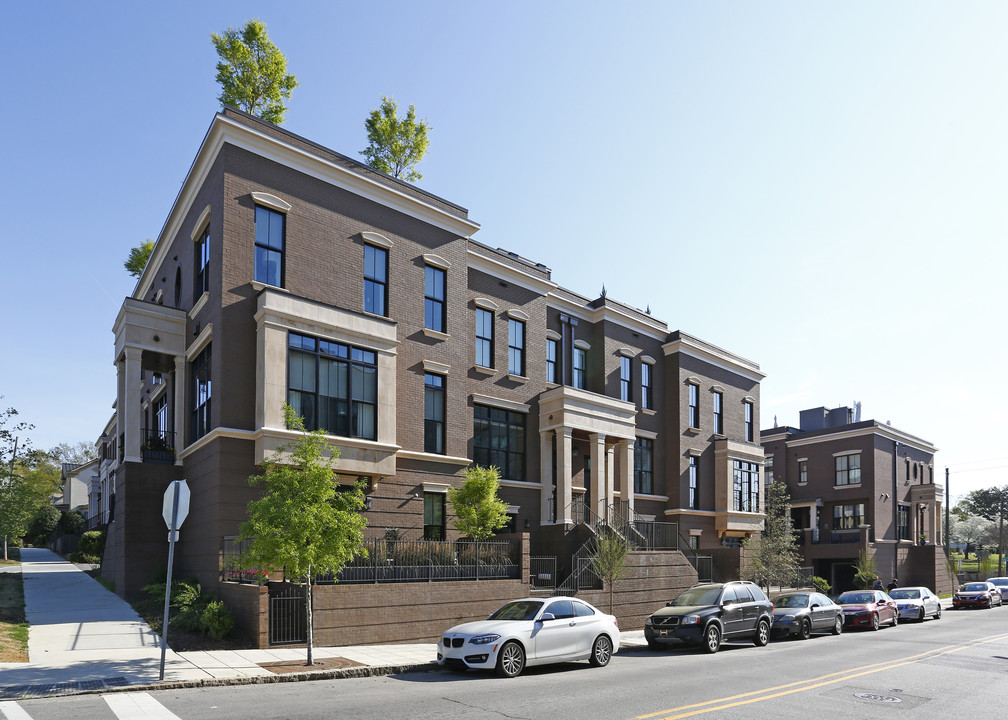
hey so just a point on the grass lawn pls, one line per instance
(13, 626)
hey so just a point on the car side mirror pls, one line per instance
(668, 604)
(547, 616)
(815, 605)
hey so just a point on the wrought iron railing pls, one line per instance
(542, 574)
(158, 447)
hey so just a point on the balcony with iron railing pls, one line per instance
(158, 447)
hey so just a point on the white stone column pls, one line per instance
(626, 458)
(179, 404)
(610, 455)
(598, 488)
(545, 476)
(564, 481)
(130, 414)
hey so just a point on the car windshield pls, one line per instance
(791, 601)
(856, 598)
(703, 595)
(905, 594)
(1000, 582)
(518, 610)
(974, 587)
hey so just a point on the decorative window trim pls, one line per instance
(648, 360)
(692, 452)
(626, 352)
(751, 399)
(553, 335)
(485, 304)
(695, 532)
(431, 333)
(804, 459)
(199, 343)
(199, 304)
(484, 370)
(271, 201)
(691, 380)
(377, 240)
(513, 509)
(260, 286)
(436, 261)
(646, 434)
(846, 452)
(517, 378)
(202, 221)
(435, 487)
(500, 403)
(717, 388)
(517, 314)
(158, 297)
(582, 345)
(436, 367)
(648, 411)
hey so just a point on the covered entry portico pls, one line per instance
(609, 425)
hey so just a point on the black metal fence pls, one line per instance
(158, 446)
(231, 567)
(542, 574)
(288, 617)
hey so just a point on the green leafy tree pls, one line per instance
(479, 513)
(138, 257)
(252, 72)
(301, 523)
(396, 146)
(76, 453)
(608, 559)
(772, 557)
(18, 501)
(992, 504)
(865, 570)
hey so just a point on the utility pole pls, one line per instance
(948, 503)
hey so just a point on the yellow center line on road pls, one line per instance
(812, 683)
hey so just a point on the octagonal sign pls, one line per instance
(170, 496)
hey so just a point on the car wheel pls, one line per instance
(895, 618)
(874, 621)
(601, 651)
(511, 660)
(762, 636)
(838, 626)
(805, 630)
(921, 618)
(652, 645)
(712, 638)
(937, 615)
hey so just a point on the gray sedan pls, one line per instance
(799, 614)
(916, 603)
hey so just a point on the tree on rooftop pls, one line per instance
(479, 513)
(252, 72)
(302, 523)
(138, 257)
(396, 146)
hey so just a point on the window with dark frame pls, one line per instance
(160, 417)
(694, 405)
(718, 412)
(484, 338)
(499, 440)
(516, 347)
(748, 421)
(694, 499)
(903, 522)
(624, 379)
(201, 261)
(768, 470)
(434, 299)
(803, 471)
(848, 517)
(200, 393)
(269, 246)
(551, 361)
(375, 280)
(647, 402)
(644, 466)
(434, 413)
(333, 386)
(746, 488)
(434, 516)
(848, 469)
(580, 366)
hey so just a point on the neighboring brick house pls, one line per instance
(860, 485)
(286, 272)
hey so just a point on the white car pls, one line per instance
(532, 631)
(916, 603)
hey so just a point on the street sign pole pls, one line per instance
(172, 534)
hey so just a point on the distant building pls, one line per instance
(860, 485)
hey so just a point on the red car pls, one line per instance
(868, 609)
(977, 594)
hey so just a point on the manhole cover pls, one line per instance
(875, 697)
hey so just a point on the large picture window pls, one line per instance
(499, 440)
(199, 395)
(745, 489)
(375, 280)
(848, 517)
(484, 338)
(334, 387)
(848, 469)
(269, 246)
(644, 466)
(434, 413)
(434, 299)
(516, 347)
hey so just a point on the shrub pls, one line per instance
(84, 558)
(72, 522)
(92, 542)
(216, 620)
(193, 609)
(821, 584)
(43, 525)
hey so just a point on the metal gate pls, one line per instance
(542, 574)
(288, 620)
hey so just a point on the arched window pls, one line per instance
(178, 286)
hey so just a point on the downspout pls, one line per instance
(895, 484)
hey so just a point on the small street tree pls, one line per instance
(608, 559)
(138, 257)
(992, 504)
(252, 72)
(302, 524)
(772, 557)
(865, 570)
(479, 513)
(18, 502)
(396, 146)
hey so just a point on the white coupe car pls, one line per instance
(533, 631)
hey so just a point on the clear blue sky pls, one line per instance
(817, 187)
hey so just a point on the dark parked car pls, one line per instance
(868, 609)
(977, 594)
(799, 614)
(916, 603)
(708, 613)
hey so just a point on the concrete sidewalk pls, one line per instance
(84, 638)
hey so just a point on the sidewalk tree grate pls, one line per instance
(21, 692)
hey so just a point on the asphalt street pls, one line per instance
(953, 667)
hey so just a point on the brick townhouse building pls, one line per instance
(860, 485)
(286, 272)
